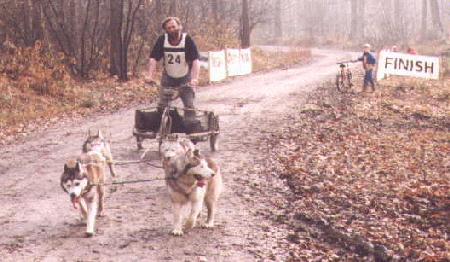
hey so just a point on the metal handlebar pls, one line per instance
(345, 62)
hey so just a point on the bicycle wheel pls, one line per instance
(166, 124)
(339, 83)
(349, 79)
(213, 126)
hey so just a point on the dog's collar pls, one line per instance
(176, 174)
(177, 188)
(91, 162)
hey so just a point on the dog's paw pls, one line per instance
(190, 223)
(177, 232)
(89, 234)
(208, 225)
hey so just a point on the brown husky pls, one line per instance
(95, 142)
(191, 179)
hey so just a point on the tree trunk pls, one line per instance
(215, 10)
(73, 26)
(424, 27)
(362, 19)
(116, 11)
(387, 22)
(397, 13)
(245, 20)
(278, 30)
(83, 42)
(37, 21)
(173, 8)
(399, 22)
(27, 36)
(436, 16)
(298, 18)
(354, 20)
(159, 14)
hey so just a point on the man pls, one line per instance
(411, 50)
(181, 64)
(369, 61)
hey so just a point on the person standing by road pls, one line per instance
(368, 61)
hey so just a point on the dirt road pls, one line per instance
(38, 223)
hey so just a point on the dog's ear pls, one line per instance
(99, 134)
(196, 153)
(189, 154)
(63, 187)
(66, 168)
(78, 166)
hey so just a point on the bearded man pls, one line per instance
(181, 63)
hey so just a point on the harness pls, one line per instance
(84, 164)
(175, 62)
(171, 180)
(87, 189)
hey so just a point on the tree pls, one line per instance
(25, 6)
(354, 27)
(278, 23)
(116, 17)
(424, 27)
(436, 16)
(173, 8)
(245, 33)
(122, 21)
(215, 10)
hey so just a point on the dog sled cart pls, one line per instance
(158, 123)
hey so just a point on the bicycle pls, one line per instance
(166, 119)
(344, 77)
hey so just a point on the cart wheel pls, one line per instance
(214, 142)
(139, 143)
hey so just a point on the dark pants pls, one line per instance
(187, 94)
(368, 79)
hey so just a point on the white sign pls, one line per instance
(217, 66)
(233, 67)
(245, 61)
(393, 63)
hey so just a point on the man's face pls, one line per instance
(366, 49)
(173, 29)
